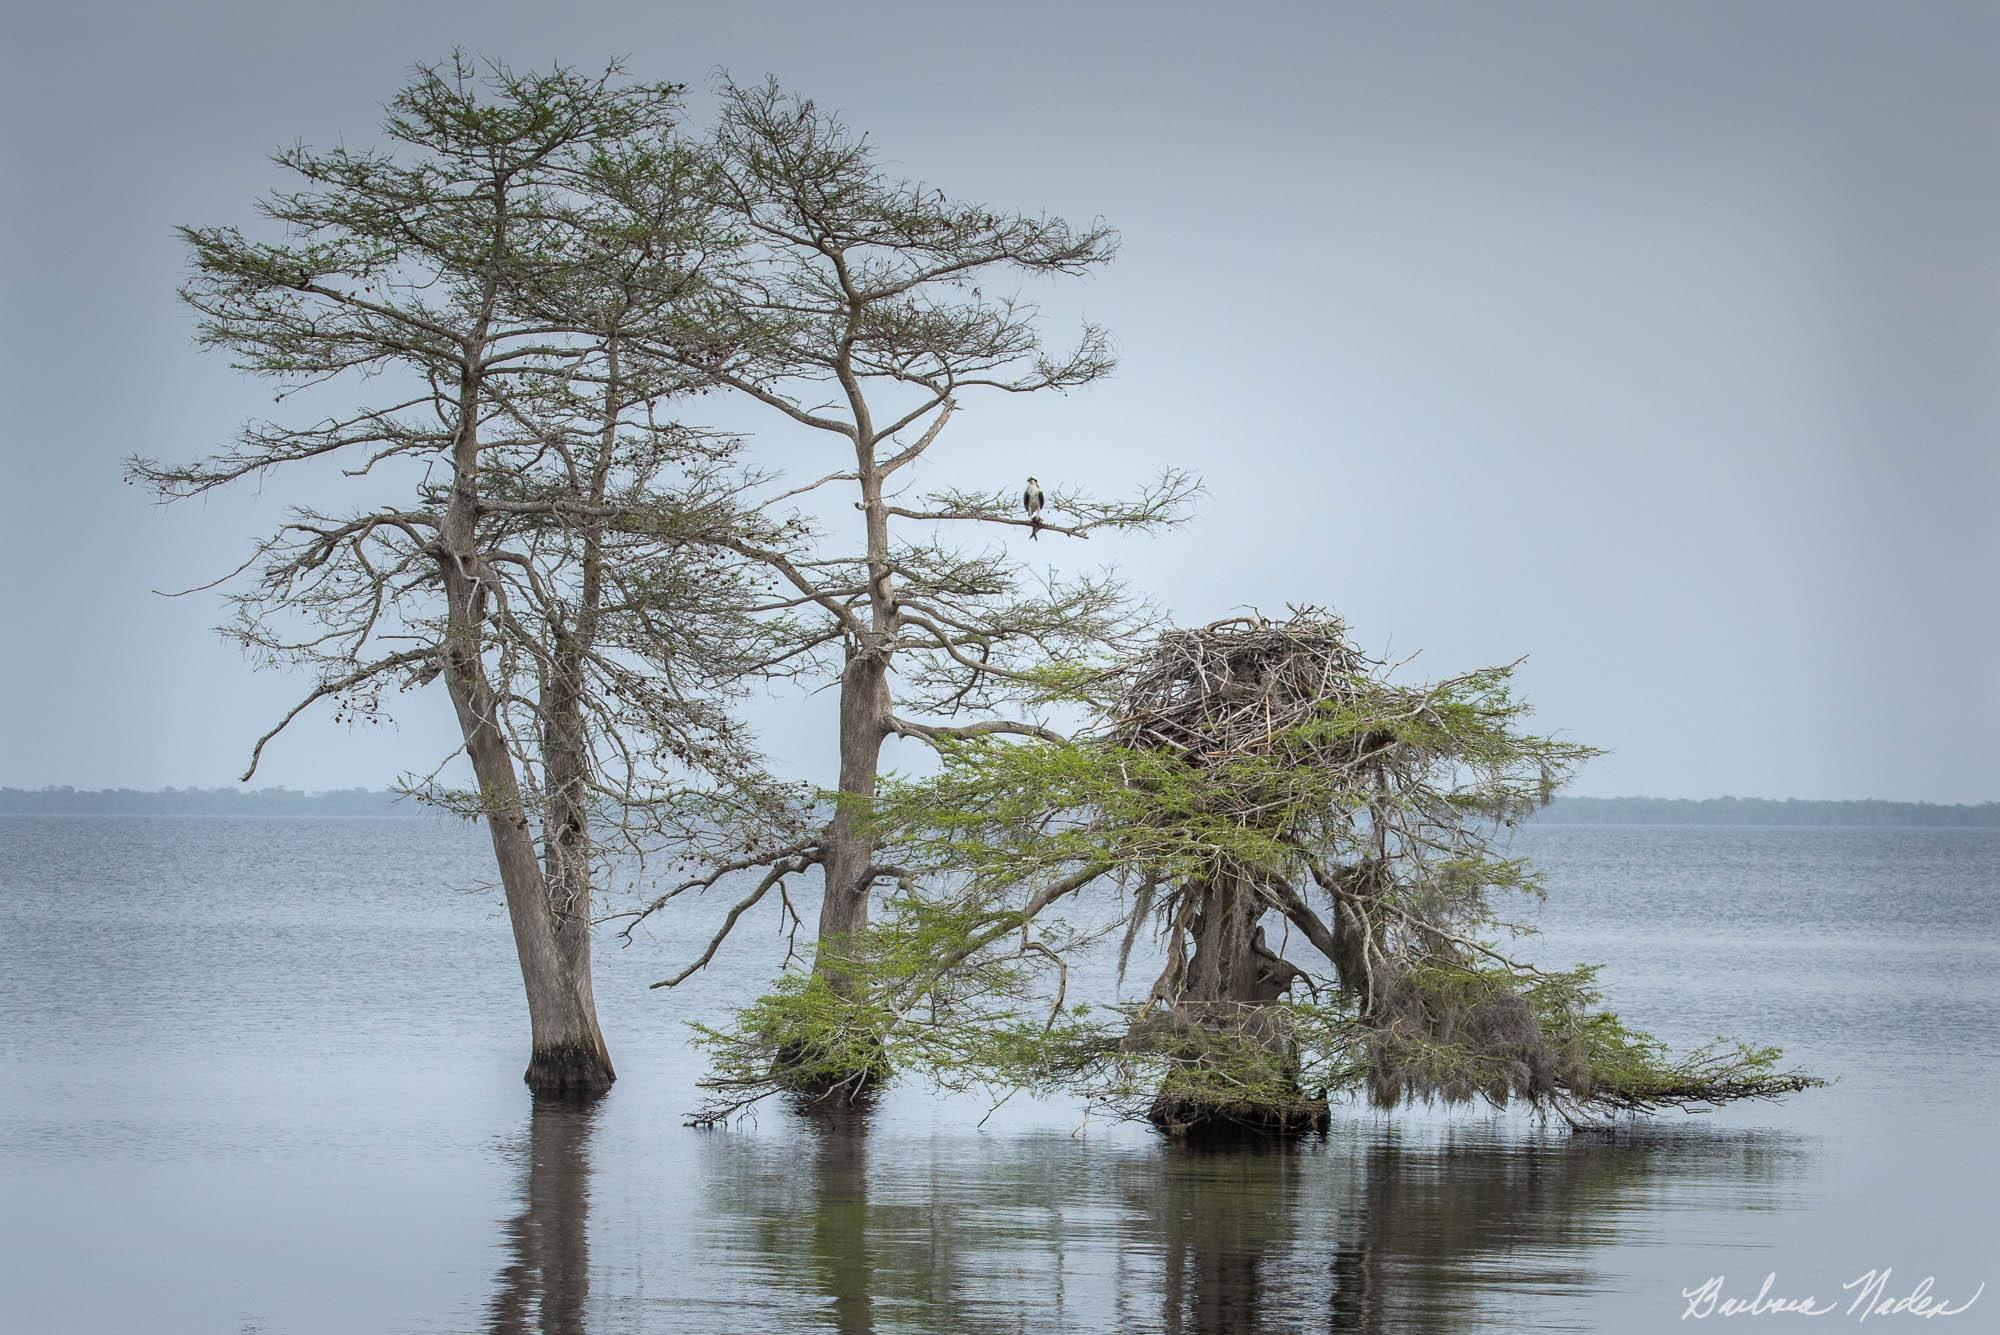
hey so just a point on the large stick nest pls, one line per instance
(1241, 687)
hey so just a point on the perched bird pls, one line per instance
(1031, 501)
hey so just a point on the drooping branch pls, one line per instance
(333, 687)
(807, 850)
(776, 874)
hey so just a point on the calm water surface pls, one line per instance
(262, 1075)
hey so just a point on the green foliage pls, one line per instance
(806, 1034)
(992, 1029)
(1367, 813)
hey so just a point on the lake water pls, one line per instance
(263, 1076)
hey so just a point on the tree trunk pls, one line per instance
(848, 854)
(865, 708)
(566, 875)
(1224, 1016)
(849, 849)
(567, 1052)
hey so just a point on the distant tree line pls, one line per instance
(68, 801)
(1764, 811)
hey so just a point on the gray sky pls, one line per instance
(1653, 342)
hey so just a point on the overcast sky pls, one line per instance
(1656, 343)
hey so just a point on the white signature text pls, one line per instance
(1868, 1295)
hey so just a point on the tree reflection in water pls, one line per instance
(543, 1286)
(840, 1231)
(1441, 1236)
(827, 1226)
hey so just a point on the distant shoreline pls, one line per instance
(378, 803)
(384, 805)
(1761, 811)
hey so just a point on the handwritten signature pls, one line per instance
(1870, 1297)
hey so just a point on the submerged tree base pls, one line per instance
(814, 1088)
(835, 1105)
(569, 1070)
(1202, 1121)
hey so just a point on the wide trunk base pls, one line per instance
(836, 1109)
(856, 1090)
(569, 1070)
(1210, 1122)
(814, 1086)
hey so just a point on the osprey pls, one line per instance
(1031, 501)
